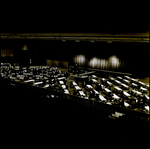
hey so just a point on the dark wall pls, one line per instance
(135, 56)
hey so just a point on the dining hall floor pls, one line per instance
(145, 80)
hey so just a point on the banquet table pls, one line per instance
(127, 77)
(117, 82)
(127, 95)
(61, 82)
(102, 98)
(62, 78)
(81, 93)
(109, 83)
(143, 89)
(94, 81)
(119, 78)
(142, 84)
(126, 104)
(134, 85)
(46, 86)
(136, 93)
(96, 92)
(126, 81)
(124, 86)
(114, 96)
(63, 86)
(74, 83)
(37, 83)
(77, 88)
(119, 90)
(66, 91)
(134, 80)
(94, 76)
(89, 86)
(103, 80)
(27, 81)
(111, 78)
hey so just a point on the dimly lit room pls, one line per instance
(77, 83)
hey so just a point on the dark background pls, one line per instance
(134, 55)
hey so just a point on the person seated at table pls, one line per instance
(121, 103)
(85, 93)
(97, 97)
(138, 102)
(66, 86)
(60, 89)
(71, 84)
(144, 99)
(86, 88)
(92, 94)
(75, 92)
(99, 87)
(83, 84)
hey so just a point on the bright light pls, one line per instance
(114, 61)
(98, 63)
(79, 59)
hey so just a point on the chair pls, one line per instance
(66, 86)
(71, 84)
(85, 93)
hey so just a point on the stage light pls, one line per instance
(114, 61)
(103, 63)
(79, 59)
(93, 62)
(98, 63)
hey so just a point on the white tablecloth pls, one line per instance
(133, 84)
(107, 90)
(103, 79)
(126, 81)
(89, 86)
(66, 91)
(38, 83)
(111, 78)
(29, 81)
(94, 76)
(62, 78)
(96, 92)
(74, 83)
(127, 77)
(142, 83)
(117, 88)
(81, 93)
(102, 98)
(64, 86)
(126, 94)
(45, 86)
(77, 88)
(93, 80)
(143, 89)
(124, 85)
(126, 104)
(110, 84)
(119, 77)
(61, 82)
(115, 96)
(118, 82)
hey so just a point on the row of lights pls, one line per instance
(95, 62)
